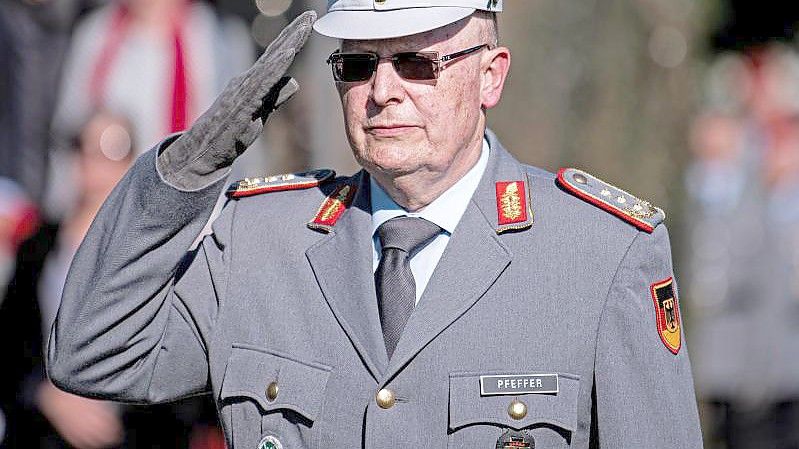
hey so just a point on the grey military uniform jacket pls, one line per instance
(269, 300)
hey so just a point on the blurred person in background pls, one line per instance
(158, 62)
(33, 39)
(104, 153)
(42, 415)
(744, 282)
(18, 220)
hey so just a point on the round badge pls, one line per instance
(270, 442)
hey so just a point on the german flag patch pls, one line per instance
(667, 314)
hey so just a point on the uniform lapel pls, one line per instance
(342, 264)
(473, 260)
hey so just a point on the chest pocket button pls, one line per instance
(271, 391)
(517, 409)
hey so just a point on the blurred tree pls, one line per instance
(607, 85)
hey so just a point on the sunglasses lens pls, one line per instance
(415, 66)
(353, 67)
(356, 67)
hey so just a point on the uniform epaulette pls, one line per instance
(279, 183)
(629, 208)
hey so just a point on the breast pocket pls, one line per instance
(478, 421)
(266, 394)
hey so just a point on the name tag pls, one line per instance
(519, 384)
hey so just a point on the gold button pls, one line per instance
(385, 398)
(272, 390)
(517, 409)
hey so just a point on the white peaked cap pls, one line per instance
(384, 19)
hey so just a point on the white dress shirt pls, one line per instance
(446, 211)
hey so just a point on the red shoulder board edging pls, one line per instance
(609, 198)
(278, 183)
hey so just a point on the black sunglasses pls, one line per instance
(411, 65)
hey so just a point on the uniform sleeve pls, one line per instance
(644, 393)
(138, 307)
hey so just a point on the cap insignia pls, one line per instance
(277, 183)
(333, 207)
(614, 200)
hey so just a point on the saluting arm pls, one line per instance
(137, 309)
(119, 307)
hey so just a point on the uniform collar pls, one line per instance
(445, 211)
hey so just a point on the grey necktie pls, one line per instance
(400, 238)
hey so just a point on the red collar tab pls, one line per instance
(333, 207)
(609, 198)
(278, 183)
(513, 210)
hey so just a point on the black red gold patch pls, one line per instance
(333, 207)
(667, 313)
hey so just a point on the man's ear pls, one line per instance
(495, 67)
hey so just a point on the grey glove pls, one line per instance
(203, 154)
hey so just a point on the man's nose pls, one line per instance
(387, 85)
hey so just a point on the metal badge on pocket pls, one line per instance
(270, 442)
(515, 439)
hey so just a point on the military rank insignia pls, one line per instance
(515, 439)
(614, 200)
(333, 207)
(277, 183)
(667, 313)
(513, 210)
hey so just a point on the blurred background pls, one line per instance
(693, 105)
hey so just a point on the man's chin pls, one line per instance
(389, 168)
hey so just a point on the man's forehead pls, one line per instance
(388, 46)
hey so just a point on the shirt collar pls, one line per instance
(445, 211)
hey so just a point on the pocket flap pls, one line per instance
(467, 406)
(300, 384)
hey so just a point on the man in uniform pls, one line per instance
(444, 296)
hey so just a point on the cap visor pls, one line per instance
(364, 25)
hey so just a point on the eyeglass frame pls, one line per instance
(438, 63)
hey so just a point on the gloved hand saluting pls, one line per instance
(203, 154)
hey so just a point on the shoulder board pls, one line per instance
(629, 208)
(279, 183)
